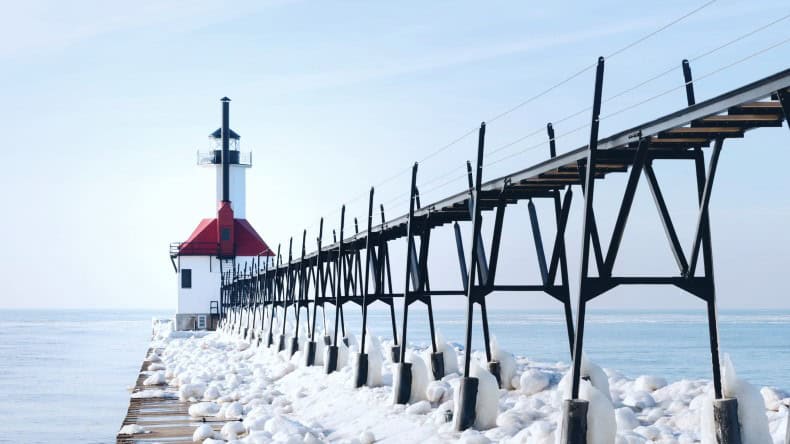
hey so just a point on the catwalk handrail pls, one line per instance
(757, 90)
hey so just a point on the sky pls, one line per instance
(106, 104)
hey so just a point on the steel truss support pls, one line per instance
(416, 288)
(590, 286)
(479, 278)
(377, 270)
(337, 273)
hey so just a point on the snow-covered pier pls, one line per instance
(254, 394)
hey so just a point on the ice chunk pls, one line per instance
(507, 364)
(234, 410)
(751, 409)
(211, 394)
(202, 432)
(133, 429)
(419, 377)
(375, 359)
(639, 399)
(449, 355)
(533, 381)
(601, 422)
(282, 425)
(649, 383)
(154, 394)
(419, 408)
(438, 391)
(366, 437)
(156, 378)
(771, 398)
(187, 391)
(472, 436)
(626, 419)
(232, 430)
(203, 409)
(487, 406)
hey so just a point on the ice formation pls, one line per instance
(533, 381)
(375, 359)
(487, 406)
(156, 378)
(601, 422)
(507, 364)
(267, 397)
(203, 432)
(449, 355)
(132, 429)
(420, 376)
(751, 408)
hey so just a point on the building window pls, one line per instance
(186, 278)
(201, 322)
(225, 233)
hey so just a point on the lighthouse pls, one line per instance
(220, 244)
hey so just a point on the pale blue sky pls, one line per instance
(105, 106)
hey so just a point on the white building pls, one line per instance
(219, 243)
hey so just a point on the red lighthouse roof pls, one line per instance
(204, 241)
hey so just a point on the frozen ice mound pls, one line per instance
(751, 408)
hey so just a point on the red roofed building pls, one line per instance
(220, 244)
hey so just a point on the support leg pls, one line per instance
(395, 351)
(465, 417)
(437, 357)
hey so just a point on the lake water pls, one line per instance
(64, 374)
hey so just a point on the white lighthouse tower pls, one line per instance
(217, 244)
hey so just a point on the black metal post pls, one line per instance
(361, 377)
(402, 389)
(225, 149)
(573, 426)
(689, 83)
(332, 355)
(468, 391)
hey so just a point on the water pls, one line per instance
(64, 374)
(672, 344)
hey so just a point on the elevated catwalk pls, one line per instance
(356, 268)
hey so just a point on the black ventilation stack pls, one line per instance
(225, 149)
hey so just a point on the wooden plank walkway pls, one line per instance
(167, 419)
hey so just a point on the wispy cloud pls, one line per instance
(42, 25)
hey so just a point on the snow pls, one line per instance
(533, 381)
(133, 429)
(449, 355)
(156, 378)
(203, 409)
(232, 430)
(269, 397)
(203, 432)
(375, 359)
(507, 364)
(366, 437)
(154, 393)
(420, 377)
(601, 422)
(487, 404)
(751, 408)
